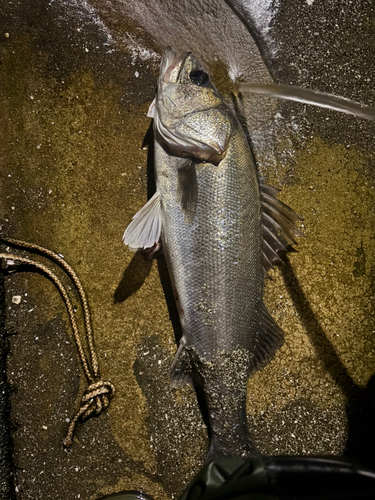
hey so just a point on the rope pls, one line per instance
(77, 282)
(95, 399)
(98, 395)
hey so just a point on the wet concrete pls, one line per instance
(6, 443)
(76, 80)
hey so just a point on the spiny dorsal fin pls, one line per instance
(279, 229)
(145, 228)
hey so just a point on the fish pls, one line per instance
(221, 229)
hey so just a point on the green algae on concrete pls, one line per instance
(323, 303)
(70, 183)
(74, 172)
(337, 201)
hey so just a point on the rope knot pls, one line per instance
(95, 399)
(98, 396)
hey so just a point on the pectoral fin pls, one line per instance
(152, 109)
(187, 190)
(145, 228)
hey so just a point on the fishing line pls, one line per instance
(314, 97)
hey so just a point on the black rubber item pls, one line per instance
(282, 478)
(127, 495)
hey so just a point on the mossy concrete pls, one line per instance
(74, 172)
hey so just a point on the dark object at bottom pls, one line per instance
(127, 495)
(275, 478)
(282, 478)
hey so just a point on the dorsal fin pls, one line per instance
(279, 229)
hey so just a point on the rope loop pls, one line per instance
(99, 393)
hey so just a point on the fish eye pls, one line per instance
(199, 77)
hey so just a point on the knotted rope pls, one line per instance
(95, 399)
(99, 393)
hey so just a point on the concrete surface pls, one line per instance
(76, 80)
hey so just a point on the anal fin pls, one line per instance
(270, 339)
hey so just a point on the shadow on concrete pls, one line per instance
(361, 401)
(139, 268)
(133, 277)
(176, 442)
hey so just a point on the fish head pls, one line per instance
(191, 118)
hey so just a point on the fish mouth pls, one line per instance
(171, 65)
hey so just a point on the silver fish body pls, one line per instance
(211, 224)
(215, 268)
